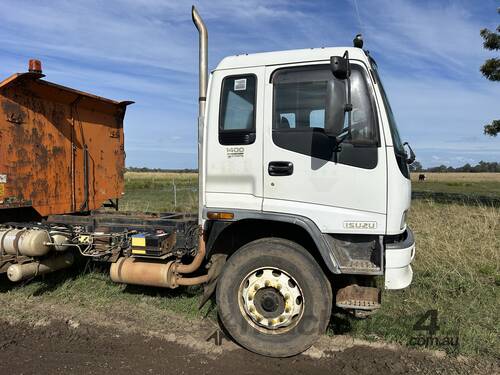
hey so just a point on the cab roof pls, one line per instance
(288, 57)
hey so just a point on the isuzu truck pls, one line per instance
(304, 191)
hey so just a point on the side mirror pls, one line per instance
(409, 159)
(340, 67)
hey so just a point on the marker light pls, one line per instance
(220, 215)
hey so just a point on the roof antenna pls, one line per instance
(358, 39)
(356, 8)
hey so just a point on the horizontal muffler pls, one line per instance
(136, 271)
(24, 271)
(141, 272)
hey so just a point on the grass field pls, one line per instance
(160, 192)
(457, 269)
(485, 184)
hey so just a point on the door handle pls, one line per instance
(280, 168)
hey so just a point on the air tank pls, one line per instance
(18, 272)
(27, 242)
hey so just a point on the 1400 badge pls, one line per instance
(235, 152)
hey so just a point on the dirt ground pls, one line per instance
(36, 338)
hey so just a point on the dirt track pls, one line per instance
(43, 335)
(71, 347)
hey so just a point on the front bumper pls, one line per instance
(398, 258)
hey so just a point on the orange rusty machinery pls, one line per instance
(62, 150)
(61, 159)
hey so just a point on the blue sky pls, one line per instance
(429, 53)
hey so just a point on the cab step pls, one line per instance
(358, 297)
(359, 266)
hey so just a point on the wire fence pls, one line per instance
(160, 195)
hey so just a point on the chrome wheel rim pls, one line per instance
(271, 300)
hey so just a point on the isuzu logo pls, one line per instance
(360, 225)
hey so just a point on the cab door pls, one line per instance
(340, 187)
(234, 140)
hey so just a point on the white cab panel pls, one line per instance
(399, 191)
(339, 198)
(330, 219)
(233, 172)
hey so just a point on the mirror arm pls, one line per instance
(341, 69)
(411, 159)
(343, 135)
(348, 106)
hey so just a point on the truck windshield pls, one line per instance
(396, 140)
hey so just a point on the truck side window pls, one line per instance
(315, 99)
(237, 110)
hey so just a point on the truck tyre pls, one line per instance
(273, 298)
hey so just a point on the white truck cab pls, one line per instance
(301, 161)
(270, 148)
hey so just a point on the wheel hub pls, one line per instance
(269, 303)
(271, 299)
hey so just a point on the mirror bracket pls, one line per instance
(340, 66)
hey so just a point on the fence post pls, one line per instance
(175, 194)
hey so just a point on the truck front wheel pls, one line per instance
(273, 298)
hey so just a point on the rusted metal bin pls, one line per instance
(61, 150)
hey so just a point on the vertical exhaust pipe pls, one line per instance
(202, 101)
(203, 60)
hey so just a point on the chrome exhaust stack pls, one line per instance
(203, 60)
(202, 101)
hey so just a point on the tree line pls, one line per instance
(145, 169)
(483, 166)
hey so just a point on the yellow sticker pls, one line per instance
(138, 241)
(136, 251)
(83, 239)
(2, 190)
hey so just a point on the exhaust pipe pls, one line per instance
(166, 275)
(202, 101)
(136, 271)
(203, 60)
(139, 272)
